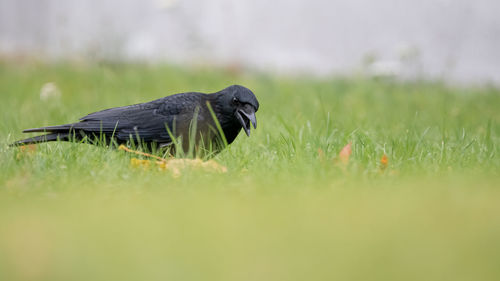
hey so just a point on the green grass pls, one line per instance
(283, 211)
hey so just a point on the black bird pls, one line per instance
(185, 119)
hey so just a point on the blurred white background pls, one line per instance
(458, 40)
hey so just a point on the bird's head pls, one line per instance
(241, 103)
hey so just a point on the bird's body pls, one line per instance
(185, 118)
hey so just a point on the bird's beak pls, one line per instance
(246, 116)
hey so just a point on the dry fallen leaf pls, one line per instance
(26, 150)
(345, 153)
(177, 165)
(321, 154)
(384, 162)
(136, 163)
(174, 165)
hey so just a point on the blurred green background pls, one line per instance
(287, 209)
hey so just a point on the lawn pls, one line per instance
(417, 199)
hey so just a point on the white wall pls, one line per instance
(455, 39)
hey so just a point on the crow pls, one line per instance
(184, 120)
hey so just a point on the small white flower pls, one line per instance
(49, 91)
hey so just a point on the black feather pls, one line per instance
(42, 138)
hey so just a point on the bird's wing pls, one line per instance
(149, 121)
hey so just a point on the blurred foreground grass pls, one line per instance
(287, 209)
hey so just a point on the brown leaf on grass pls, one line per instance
(384, 162)
(345, 153)
(321, 155)
(30, 148)
(26, 150)
(176, 166)
(173, 165)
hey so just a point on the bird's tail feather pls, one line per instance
(42, 138)
(51, 129)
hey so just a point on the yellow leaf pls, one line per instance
(138, 163)
(175, 165)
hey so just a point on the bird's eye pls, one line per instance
(235, 101)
